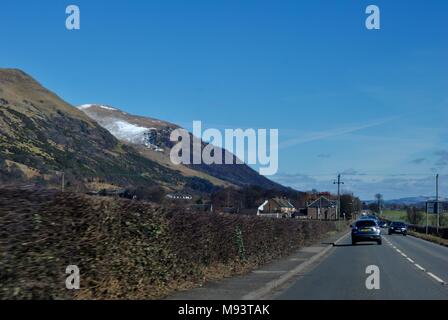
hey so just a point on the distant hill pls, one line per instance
(42, 137)
(152, 138)
(407, 201)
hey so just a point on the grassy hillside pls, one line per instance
(221, 175)
(41, 136)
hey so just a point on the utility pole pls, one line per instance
(437, 202)
(339, 182)
(63, 182)
(379, 206)
(353, 208)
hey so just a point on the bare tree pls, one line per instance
(379, 199)
(413, 215)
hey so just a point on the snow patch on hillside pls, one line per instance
(84, 106)
(124, 130)
(87, 106)
(107, 108)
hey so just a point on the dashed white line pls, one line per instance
(419, 266)
(432, 275)
(435, 277)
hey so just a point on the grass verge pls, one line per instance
(429, 237)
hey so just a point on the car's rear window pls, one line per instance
(398, 224)
(365, 223)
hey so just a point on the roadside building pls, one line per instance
(276, 208)
(322, 209)
(179, 196)
(117, 193)
(301, 213)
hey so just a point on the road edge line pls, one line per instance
(270, 286)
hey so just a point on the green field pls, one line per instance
(395, 215)
(400, 215)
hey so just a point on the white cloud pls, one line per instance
(442, 159)
(332, 133)
(366, 186)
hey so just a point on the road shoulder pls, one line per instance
(430, 238)
(259, 283)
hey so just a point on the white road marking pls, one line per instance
(435, 277)
(432, 275)
(420, 267)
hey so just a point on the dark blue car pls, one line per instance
(398, 227)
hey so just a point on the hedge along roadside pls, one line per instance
(130, 250)
(442, 232)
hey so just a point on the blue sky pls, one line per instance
(369, 104)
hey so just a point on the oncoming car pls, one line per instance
(366, 230)
(382, 224)
(398, 227)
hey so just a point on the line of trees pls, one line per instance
(251, 197)
(350, 205)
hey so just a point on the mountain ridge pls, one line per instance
(42, 136)
(408, 200)
(130, 128)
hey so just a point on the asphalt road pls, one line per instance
(409, 268)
